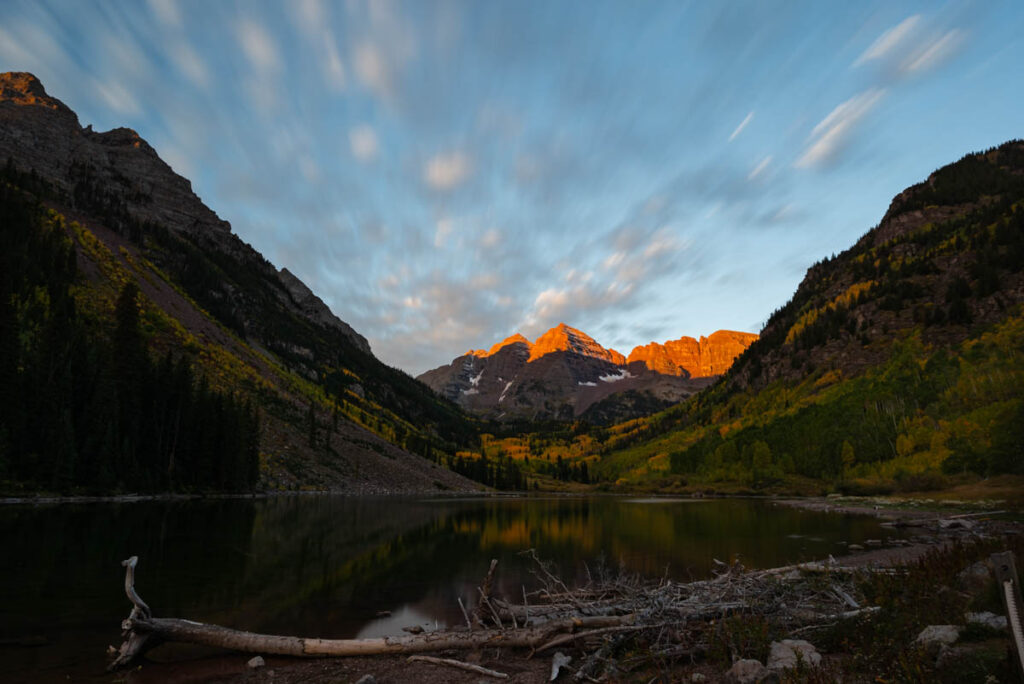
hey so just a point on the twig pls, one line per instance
(459, 664)
(469, 624)
(494, 613)
(141, 609)
(566, 638)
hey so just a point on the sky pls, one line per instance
(445, 174)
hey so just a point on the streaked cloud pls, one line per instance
(362, 141)
(914, 46)
(118, 97)
(833, 132)
(932, 54)
(190, 64)
(890, 41)
(743, 124)
(491, 238)
(447, 171)
(167, 12)
(257, 45)
(441, 186)
(373, 70)
(759, 169)
(443, 230)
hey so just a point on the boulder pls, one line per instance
(257, 662)
(935, 638)
(787, 653)
(750, 672)
(987, 619)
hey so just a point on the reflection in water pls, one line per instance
(329, 566)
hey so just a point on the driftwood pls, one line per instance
(142, 632)
(469, 667)
(672, 620)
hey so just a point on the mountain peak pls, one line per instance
(495, 348)
(563, 338)
(23, 88)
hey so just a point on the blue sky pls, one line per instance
(444, 174)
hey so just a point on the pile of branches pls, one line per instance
(614, 623)
(665, 622)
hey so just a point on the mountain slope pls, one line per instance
(894, 362)
(566, 374)
(331, 414)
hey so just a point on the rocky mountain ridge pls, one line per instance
(122, 176)
(566, 372)
(331, 414)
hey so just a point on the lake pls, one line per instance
(333, 567)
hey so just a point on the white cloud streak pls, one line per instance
(362, 141)
(759, 169)
(190, 65)
(258, 46)
(935, 53)
(829, 136)
(743, 124)
(890, 41)
(447, 171)
(117, 97)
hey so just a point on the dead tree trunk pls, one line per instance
(142, 632)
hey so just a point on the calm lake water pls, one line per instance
(329, 566)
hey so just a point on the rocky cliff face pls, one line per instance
(706, 357)
(566, 372)
(120, 176)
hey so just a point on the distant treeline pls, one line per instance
(84, 406)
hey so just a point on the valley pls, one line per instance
(894, 367)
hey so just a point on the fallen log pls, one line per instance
(142, 632)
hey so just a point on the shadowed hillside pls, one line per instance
(133, 317)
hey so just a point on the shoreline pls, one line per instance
(523, 668)
(880, 507)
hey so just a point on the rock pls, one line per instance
(315, 310)
(934, 638)
(986, 619)
(750, 672)
(786, 654)
(367, 679)
(698, 677)
(960, 524)
(976, 578)
(873, 542)
(855, 547)
(257, 662)
(414, 629)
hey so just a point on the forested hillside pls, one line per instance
(896, 361)
(83, 404)
(897, 364)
